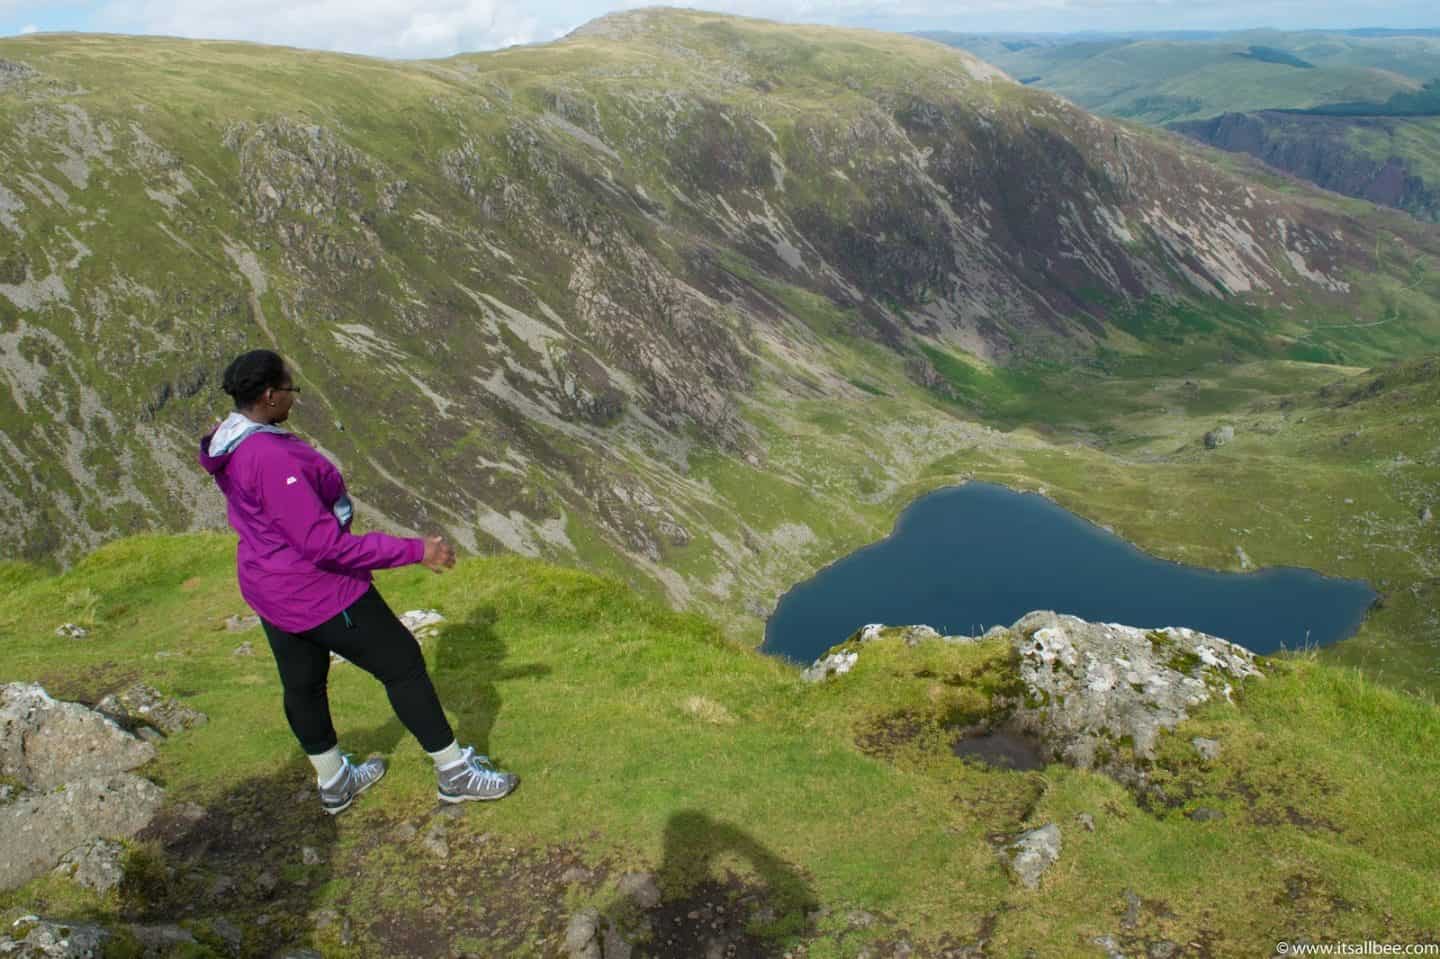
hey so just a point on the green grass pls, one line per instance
(648, 741)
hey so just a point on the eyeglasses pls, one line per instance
(287, 389)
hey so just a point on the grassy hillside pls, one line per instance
(824, 820)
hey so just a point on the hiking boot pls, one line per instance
(349, 782)
(472, 777)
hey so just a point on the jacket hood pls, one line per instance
(217, 445)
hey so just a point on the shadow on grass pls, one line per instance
(705, 907)
(469, 666)
(245, 871)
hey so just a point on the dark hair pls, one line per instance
(249, 375)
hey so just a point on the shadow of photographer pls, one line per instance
(697, 906)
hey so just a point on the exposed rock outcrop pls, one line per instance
(1098, 695)
(1095, 695)
(74, 766)
(1324, 151)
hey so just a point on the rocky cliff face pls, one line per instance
(1324, 151)
(565, 300)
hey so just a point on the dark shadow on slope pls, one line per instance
(707, 908)
(244, 871)
(469, 664)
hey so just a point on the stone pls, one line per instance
(240, 622)
(1426, 515)
(1098, 695)
(1033, 853)
(405, 832)
(98, 864)
(1219, 437)
(142, 704)
(1086, 821)
(244, 649)
(422, 623)
(582, 939)
(1208, 749)
(72, 631)
(31, 937)
(640, 888)
(309, 856)
(1243, 558)
(1205, 814)
(575, 874)
(832, 664)
(1161, 949)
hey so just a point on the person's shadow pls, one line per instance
(244, 872)
(469, 663)
(704, 908)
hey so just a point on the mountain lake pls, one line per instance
(969, 557)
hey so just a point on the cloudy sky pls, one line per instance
(434, 28)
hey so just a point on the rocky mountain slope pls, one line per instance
(689, 298)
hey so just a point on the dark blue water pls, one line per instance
(974, 556)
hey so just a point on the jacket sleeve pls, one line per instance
(308, 525)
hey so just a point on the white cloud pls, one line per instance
(29, 28)
(390, 28)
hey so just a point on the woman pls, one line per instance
(308, 578)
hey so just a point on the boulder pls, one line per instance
(1097, 695)
(589, 935)
(141, 704)
(45, 743)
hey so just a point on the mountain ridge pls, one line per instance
(570, 300)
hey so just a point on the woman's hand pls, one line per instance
(439, 555)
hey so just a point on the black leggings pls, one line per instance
(368, 635)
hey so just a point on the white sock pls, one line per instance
(327, 765)
(448, 756)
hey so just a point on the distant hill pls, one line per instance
(1160, 78)
(1238, 91)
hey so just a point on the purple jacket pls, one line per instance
(298, 564)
